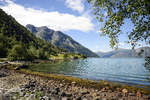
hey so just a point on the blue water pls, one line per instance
(126, 70)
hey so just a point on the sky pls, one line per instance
(73, 17)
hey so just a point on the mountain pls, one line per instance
(18, 43)
(60, 39)
(121, 53)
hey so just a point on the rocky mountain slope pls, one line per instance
(60, 39)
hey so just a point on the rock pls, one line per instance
(79, 98)
(84, 99)
(27, 95)
(24, 66)
(31, 97)
(61, 85)
(105, 83)
(84, 92)
(103, 94)
(68, 94)
(1, 96)
(41, 98)
(73, 83)
(2, 75)
(131, 94)
(32, 83)
(40, 89)
(138, 94)
(125, 91)
(18, 67)
(119, 95)
(118, 89)
(103, 90)
(22, 94)
(46, 98)
(63, 94)
(65, 98)
(54, 98)
(104, 99)
(27, 86)
(147, 97)
(5, 97)
(57, 90)
(97, 99)
(121, 99)
(107, 88)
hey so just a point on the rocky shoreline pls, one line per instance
(20, 86)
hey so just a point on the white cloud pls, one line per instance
(76, 5)
(99, 31)
(54, 20)
(122, 44)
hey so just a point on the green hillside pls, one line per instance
(17, 43)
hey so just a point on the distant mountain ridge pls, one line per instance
(121, 53)
(60, 39)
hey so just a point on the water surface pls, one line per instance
(126, 70)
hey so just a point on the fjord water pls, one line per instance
(126, 70)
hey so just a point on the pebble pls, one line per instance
(104, 99)
(125, 91)
(64, 98)
(63, 94)
(79, 98)
(31, 97)
(84, 92)
(138, 94)
(68, 94)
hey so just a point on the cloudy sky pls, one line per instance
(73, 17)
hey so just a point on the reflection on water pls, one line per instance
(129, 70)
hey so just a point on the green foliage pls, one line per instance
(3, 43)
(3, 51)
(138, 11)
(17, 43)
(18, 52)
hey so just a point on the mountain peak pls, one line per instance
(61, 40)
(29, 25)
(43, 27)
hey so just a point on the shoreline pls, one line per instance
(64, 87)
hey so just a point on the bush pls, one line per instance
(19, 52)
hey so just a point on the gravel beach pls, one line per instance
(20, 86)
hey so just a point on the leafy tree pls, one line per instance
(3, 48)
(3, 51)
(138, 11)
(18, 52)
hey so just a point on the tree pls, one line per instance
(138, 11)
(3, 51)
(19, 52)
(3, 46)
